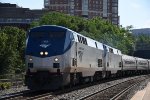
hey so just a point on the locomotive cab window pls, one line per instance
(47, 34)
(96, 44)
(111, 50)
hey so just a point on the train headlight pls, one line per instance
(30, 59)
(56, 59)
(46, 53)
(41, 53)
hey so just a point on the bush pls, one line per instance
(5, 85)
(12, 44)
(96, 28)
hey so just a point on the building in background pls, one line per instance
(13, 15)
(106, 9)
(137, 32)
(141, 47)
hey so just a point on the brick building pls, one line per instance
(13, 15)
(107, 9)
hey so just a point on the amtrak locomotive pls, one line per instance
(57, 56)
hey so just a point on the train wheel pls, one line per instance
(104, 74)
(91, 79)
(75, 78)
(97, 76)
(72, 79)
(108, 75)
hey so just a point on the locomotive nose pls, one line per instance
(52, 64)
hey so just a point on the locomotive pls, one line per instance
(57, 56)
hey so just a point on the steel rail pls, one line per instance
(120, 94)
(107, 88)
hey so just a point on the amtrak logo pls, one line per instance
(45, 44)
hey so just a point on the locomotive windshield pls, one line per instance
(38, 35)
(52, 42)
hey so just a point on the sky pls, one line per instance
(131, 12)
(135, 12)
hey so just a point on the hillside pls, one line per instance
(140, 31)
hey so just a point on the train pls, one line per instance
(56, 56)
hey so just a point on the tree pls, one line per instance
(12, 44)
(142, 41)
(96, 28)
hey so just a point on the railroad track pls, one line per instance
(123, 92)
(114, 92)
(28, 95)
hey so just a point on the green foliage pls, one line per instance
(12, 44)
(143, 38)
(12, 39)
(96, 28)
(5, 85)
(142, 41)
